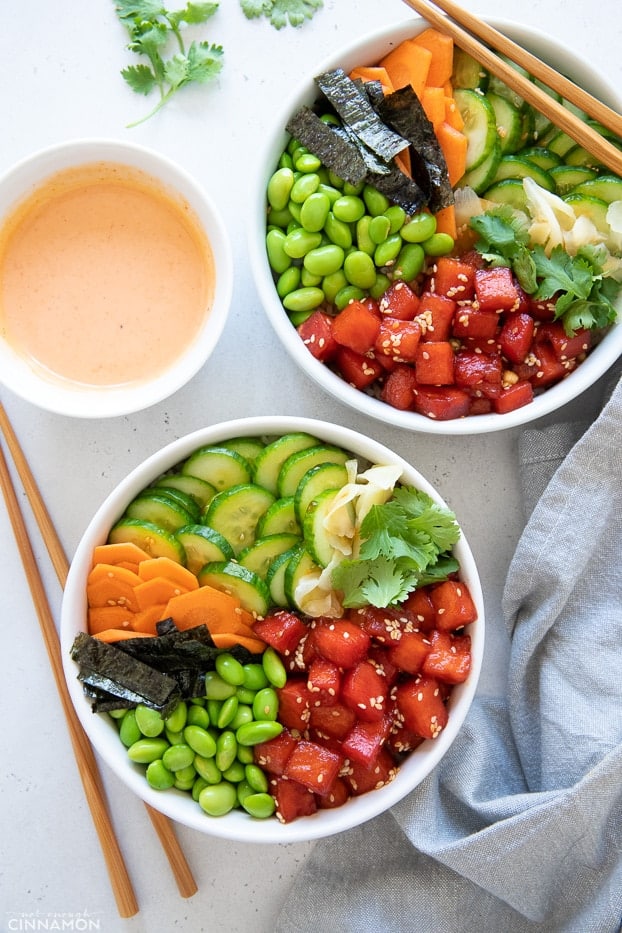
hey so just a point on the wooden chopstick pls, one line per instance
(561, 116)
(162, 825)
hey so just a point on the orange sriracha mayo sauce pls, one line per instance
(106, 277)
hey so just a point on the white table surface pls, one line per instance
(59, 68)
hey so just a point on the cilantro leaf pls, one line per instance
(281, 12)
(561, 272)
(140, 78)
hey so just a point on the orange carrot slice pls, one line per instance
(101, 618)
(408, 64)
(441, 48)
(170, 570)
(453, 144)
(117, 553)
(119, 634)
(156, 592)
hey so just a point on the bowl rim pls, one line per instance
(237, 826)
(587, 373)
(29, 383)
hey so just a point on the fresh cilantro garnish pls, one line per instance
(583, 297)
(280, 12)
(151, 29)
(405, 543)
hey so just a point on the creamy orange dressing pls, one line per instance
(105, 277)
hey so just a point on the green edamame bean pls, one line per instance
(252, 733)
(177, 757)
(260, 806)
(234, 773)
(332, 284)
(409, 263)
(288, 281)
(227, 712)
(149, 721)
(273, 667)
(117, 713)
(419, 228)
(198, 701)
(245, 754)
(229, 669)
(279, 218)
(293, 145)
(266, 704)
(345, 295)
(380, 286)
(216, 688)
(375, 201)
(243, 790)
(244, 713)
(245, 695)
(158, 776)
(335, 180)
(298, 151)
(128, 730)
(226, 749)
(294, 210)
(349, 208)
(275, 248)
(307, 162)
(280, 186)
(297, 318)
(256, 778)
(197, 787)
(304, 299)
(213, 708)
(174, 738)
(314, 211)
(337, 231)
(308, 279)
(177, 719)
(207, 769)
(379, 228)
(364, 241)
(298, 242)
(439, 244)
(387, 252)
(144, 751)
(285, 160)
(254, 676)
(185, 778)
(218, 799)
(324, 260)
(396, 216)
(200, 741)
(359, 269)
(329, 190)
(304, 186)
(198, 716)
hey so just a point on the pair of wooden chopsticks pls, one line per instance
(85, 757)
(561, 116)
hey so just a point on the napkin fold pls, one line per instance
(519, 829)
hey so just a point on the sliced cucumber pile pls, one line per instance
(509, 140)
(245, 516)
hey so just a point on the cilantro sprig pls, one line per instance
(405, 543)
(280, 12)
(153, 29)
(584, 297)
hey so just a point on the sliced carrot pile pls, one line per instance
(129, 592)
(426, 63)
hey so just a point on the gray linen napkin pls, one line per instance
(520, 827)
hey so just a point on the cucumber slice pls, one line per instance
(279, 519)
(560, 143)
(179, 496)
(509, 191)
(260, 556)
(248, 447)
(235, 512)
(299, 565)
(498, 85)
(151, 538)
(467, 72)
(159, 509)
(315, 481)
(315, 537)
(231, 577)
(542, 157)
(480, 126)
(200, 491)
(275, 578)
(580, 156)
(515, 166)
(482, 177)
(509, 122)
(607, 188)
(567, 177)
(219, 466)
(542, 123)
(594, 208)
(297, 464)
(203, 545)
(274, 455)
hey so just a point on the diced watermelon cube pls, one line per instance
(340, 641)
(336, 797)
(419, 605)
(454, 278)
(495, 289)
(361, 778)
(409, 653)
(283, 630)
(295, 701)
(324, 681)
(453, 605)
(333, 722)
(449, 658)
(317, 335)
(314, 766)
(420, 706)
(365, 691)
(437, 312)
(399, 387)
(434, 363)
(472, 322)
(399, 301)
(516, 336)
(364, 741)
(383, 625)
(442, 403)
(273, 755)
(356, 327)
(398, 339)
(472, 369)
(513, 396)
(357, 368)
(292, 799)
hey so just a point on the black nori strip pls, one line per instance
(402, 110)
(401, 189)
(354, 108)
(332, 149)
(372, 162)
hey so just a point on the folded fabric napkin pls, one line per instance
(519, 829)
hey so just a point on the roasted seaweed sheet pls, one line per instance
(334, 150)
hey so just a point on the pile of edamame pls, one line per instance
(330, 242)
(205, 746)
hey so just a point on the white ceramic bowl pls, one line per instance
(180, 806)
(368, 51)
(94, 401)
